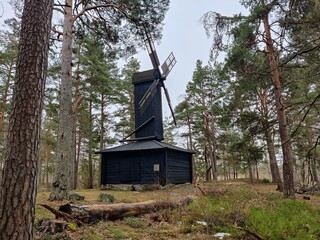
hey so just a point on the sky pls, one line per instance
(183, 35)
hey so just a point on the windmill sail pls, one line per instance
(158, 76)
(147, 98)
(166, 93)
(168, 64)
(152, 52)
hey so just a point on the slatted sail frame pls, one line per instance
(168, 64)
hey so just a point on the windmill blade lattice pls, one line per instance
(168, 64)
(148, 96)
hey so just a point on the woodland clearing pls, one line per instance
(239, 209)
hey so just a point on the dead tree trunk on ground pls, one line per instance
(95, 212)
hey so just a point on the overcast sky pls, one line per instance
(183, 34)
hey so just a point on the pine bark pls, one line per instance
(288, 181)
(19, 182)
(63, 179)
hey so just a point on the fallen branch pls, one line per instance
(95, 212)
(60, 214)
(255, 235)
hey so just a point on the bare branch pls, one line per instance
(119, 8)
(306, 113)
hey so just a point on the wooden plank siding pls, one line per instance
(179, 167)
(154, 109)
(134, 164)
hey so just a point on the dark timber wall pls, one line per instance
(132, 167)
(142, 82)
(134, 164)
(179, 165)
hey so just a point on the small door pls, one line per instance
(129, 170)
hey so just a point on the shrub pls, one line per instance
(265, 181)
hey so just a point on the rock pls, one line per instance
(75, 197)
(203, 223)
(117, 187)
(123, 187)
(140, 188)
(166, 187)
(222, 235)
(105, 197)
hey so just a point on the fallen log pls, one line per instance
(62, 215)
(95, 212)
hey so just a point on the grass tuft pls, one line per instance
(285, 219)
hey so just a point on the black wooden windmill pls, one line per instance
(146, 159)
(147, 92)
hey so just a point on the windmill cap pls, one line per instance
(145, 76)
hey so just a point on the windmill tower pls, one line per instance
(148, 99)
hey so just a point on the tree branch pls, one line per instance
(116, 7)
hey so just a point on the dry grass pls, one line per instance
(174, 224)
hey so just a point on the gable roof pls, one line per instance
(143, 145)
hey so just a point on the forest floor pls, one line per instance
(233, 209)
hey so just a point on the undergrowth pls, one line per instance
(285, 219)
(240, 210)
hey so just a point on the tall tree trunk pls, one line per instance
(74, 170)
(212, 152)
(77, 102)
(5, 94)
(303, 172)
(250, 173)
(64, 158)
(19, 182)
(313, 171)
(207, 166)
(225, 175)
(47, 167)
(190, 133)
(275, 173)
(90, 163)
(288, 181)
(78, 152)
(102, 132)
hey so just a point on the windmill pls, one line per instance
(158, 76)
(147, 160)
(147, 92)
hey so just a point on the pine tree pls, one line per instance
(116, 22)
(124, 99)
(18, 185)
(8, 58)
